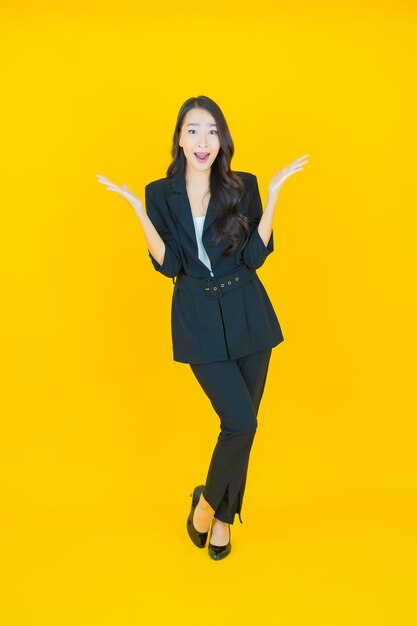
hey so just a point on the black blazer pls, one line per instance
(241, 321)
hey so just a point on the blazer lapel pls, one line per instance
(177, 198)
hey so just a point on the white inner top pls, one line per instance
(202, 254)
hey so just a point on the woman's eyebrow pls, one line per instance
(197, 124)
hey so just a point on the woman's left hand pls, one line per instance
(282, 175)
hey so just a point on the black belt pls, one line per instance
(214, 287)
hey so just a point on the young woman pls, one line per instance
(205, 228)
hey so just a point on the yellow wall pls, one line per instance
(98, 456)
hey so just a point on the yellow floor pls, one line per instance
(84, 550)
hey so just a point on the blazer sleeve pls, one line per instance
(255, 252)
(172, 262)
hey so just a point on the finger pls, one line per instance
(290, 174)
(293, 168)
(299, 161)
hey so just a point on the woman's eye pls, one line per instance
(192, 130)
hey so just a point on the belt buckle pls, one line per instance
(211, 287)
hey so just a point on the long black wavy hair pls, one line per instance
(226, 186)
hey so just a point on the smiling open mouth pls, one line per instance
(202, 156)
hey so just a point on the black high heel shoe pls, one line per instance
(198, 539)
(218, 552)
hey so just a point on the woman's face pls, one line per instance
(199, 135)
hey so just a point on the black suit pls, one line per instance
(226, 339)
(240, 322)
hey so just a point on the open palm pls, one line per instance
(282, 175)
(123, 190)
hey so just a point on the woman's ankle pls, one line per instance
(204, 504)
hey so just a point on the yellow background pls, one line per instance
(98, 455)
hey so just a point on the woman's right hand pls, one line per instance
(125, 192)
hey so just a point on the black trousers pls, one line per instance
(235, 389)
